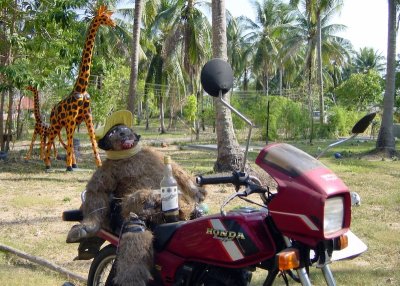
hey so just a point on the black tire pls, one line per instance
(72, 215)
(225, 277)
(102, 266)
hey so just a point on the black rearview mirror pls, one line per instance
(217, 77)
(363, 123)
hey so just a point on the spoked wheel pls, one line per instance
(101, 272)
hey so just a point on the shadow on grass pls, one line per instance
(31, 220)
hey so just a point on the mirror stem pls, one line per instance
(248, 123)
(336, 143)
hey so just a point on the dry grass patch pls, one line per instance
(33, 200)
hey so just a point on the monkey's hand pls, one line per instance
(79, 231)
(199, 193)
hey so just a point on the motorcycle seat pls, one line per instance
(163, 233)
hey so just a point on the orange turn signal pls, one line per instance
(288, 259)
(343, 242)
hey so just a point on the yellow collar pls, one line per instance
(123, 154)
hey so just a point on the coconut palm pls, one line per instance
(229, 154)
(135, 55)
(187, 40)
(315, 11)
(273, 20)
(240, 48)
(386, 140)
(366, 59)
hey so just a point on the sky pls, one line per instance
(366, 22)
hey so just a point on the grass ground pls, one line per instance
(32, 201)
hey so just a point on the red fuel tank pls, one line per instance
(237, 239)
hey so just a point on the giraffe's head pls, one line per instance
(31, 88)
(104, 16)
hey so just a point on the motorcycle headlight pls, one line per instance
(333, 215)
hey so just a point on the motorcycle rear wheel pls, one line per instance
(99, 272)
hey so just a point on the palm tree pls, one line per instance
(189, 38)
(315, 10)
(240, 48)
(229, 154)
(367, 59)
(135, 55)
(273, 19)
(303, 39)
(385, 141)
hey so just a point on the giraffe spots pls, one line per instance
(78, 88)
(86, 104)
(81, 81)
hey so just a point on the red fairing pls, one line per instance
(304, 185)
(235, 240)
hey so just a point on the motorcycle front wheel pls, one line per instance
(101, 267)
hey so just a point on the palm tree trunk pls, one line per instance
(229, 155)
(385, 141)
(135, 56)
(319, 72)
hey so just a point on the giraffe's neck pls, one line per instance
(36, 105)
(82, 81)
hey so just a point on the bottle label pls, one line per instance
(169, 199)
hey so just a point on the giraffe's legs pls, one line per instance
(52, 135)
(55, 150)
(70, 147)
(42, 145)
(28, 155)
(90, 128)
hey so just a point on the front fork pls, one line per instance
(305, 279)
(303, 275)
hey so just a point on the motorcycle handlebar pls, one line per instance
(72, 215)
(237, 179)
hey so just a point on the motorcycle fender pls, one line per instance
(355, 248)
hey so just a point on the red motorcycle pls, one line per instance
(304, 223)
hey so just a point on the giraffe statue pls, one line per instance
(41, 128)
(71, 111)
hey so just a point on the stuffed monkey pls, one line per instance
(130, 174)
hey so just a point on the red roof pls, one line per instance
(27, 103)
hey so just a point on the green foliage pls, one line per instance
(361, 90)
(208, 115)
(286, 119)
(341, 121)
(190, 109)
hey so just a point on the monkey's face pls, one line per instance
(119, 137)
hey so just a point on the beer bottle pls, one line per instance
(169, 193)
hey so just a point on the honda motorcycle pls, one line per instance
(305, 222)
